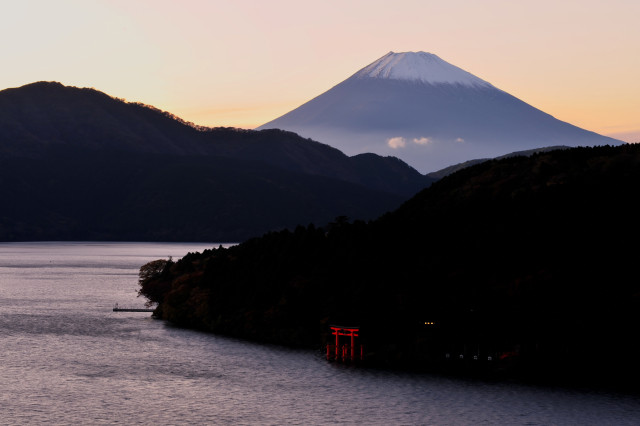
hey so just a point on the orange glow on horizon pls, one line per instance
(244, 63)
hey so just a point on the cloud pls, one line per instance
(459, 140)
(422, 141)
(397, 142)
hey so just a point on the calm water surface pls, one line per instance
(67, 358)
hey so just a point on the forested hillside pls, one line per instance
(77, 164)
(530, 257)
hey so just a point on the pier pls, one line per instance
(117, 308)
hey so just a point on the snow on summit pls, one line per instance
(419, 66)
(428, 113)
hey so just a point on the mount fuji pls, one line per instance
(429, 113)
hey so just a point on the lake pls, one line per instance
(67, 358)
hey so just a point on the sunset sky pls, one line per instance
(243, 63)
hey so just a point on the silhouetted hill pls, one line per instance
(79, 164)
(75, 195)
(454, 168)
(43, 114)
(529, 260)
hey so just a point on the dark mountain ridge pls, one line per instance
(79, 164)
(42, 114)
(96, 196)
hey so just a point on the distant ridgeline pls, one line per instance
(77, 164)
(530, 259)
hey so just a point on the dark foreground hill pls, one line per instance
(79, 164)
(529, 260)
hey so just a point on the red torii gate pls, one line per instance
(345, 351)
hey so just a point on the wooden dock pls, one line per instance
(117, 308)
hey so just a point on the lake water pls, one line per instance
(67, 358)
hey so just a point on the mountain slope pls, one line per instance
(78, 164)
(76, 194)
(429, 113)
(42, 114)
(524, 258)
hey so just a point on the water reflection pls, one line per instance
(68, 358)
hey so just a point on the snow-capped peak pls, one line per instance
(419, 66)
